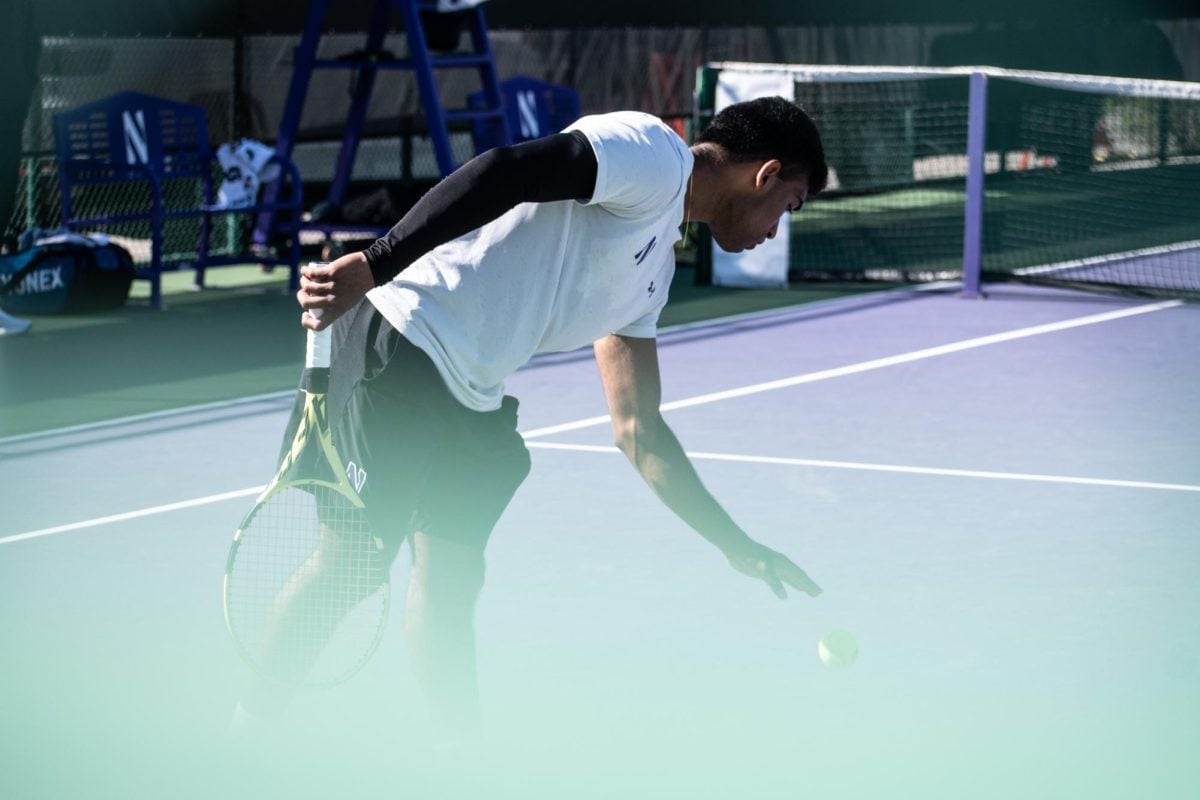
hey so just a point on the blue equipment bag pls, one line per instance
(68, 275)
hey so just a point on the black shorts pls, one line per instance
(424, 462)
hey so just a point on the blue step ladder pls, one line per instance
(416, 15)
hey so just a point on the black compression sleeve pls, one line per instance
(558, 167)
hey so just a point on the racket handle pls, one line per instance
(317, 353)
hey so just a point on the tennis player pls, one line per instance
(545, 246)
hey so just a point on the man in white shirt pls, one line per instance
(546, 246)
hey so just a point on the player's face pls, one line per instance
(755, 212)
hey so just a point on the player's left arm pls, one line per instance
(562, 166)
(632, 386)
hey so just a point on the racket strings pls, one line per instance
(304, 589)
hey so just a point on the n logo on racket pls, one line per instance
(357, 476)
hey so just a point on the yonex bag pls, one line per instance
(69, 274)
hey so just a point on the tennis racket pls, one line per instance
(306, 587)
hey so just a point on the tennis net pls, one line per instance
(1081, 180)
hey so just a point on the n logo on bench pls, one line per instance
(136, 149)
(527, 113)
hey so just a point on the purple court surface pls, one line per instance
(1000, 497)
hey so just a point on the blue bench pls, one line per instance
(142, 164)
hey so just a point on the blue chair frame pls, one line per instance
(532, 109)
(137, 138)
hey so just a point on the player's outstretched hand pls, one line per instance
(773, 568)
(332, 289)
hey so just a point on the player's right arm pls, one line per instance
(629, 372)
(558, 167)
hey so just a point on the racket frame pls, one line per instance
(313, 422)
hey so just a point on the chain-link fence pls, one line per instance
(73, 72)
(242, 84)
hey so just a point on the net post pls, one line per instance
(976, 169)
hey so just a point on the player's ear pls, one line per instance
(767, 170)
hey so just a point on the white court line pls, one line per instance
(856, 465)
(849, 302)
(145, 512)
(150, 416)
(1112, 258)
(852, 369)
(878, 363)
(698, 456)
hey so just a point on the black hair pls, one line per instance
(771, 127)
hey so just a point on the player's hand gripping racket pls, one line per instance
(306, 586)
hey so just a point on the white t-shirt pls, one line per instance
(551, 277)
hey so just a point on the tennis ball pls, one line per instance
(837, 649)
